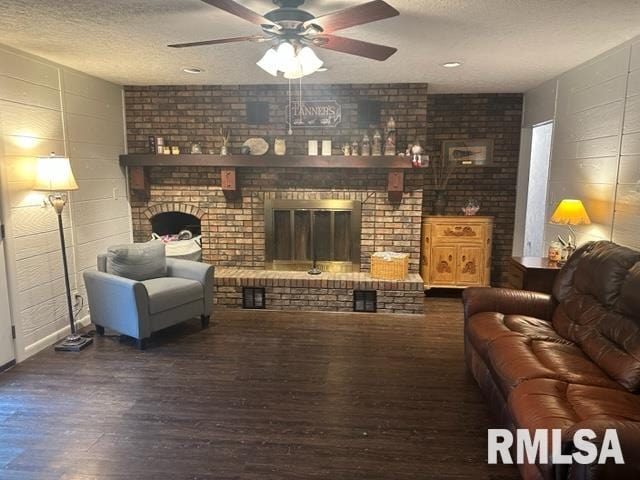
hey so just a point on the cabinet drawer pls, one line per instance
(458, 233)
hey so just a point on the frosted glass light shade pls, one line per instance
(269, 62)
(309, 61)
(53, 174)
(570, 212)
(286, 57)
(295, 70)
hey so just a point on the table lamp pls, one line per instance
(54, 175)
(570, 212)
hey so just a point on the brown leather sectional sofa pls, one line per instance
(564, 361)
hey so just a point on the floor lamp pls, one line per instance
(54, 175)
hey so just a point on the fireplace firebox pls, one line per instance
(297, 232)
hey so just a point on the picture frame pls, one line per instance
(468, 152)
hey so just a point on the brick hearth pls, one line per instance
(326, 292)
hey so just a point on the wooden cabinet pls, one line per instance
(456, 251)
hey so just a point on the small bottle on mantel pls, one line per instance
(366, 146)
(376, 150)
(151, 142)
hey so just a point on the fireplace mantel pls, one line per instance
(291, 161)
(229, 163)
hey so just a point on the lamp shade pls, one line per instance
(53, 174)
(570, 212)
(269, 62)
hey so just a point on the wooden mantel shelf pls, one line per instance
(232, 161)
(228, 164)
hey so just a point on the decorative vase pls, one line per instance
(223, 150)
(441, 201)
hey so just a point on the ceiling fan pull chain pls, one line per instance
(301, 100)
(290, 132)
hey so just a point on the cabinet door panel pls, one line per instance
(443, 265)
(470, 265)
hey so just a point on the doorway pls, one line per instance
(7, 355)
(536, 214)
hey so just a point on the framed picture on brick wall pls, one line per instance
(471, 153)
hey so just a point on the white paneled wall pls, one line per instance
(588, 121)
(43, 108)
(626, 227)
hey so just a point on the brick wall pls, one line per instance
(233, 231)
(495, 116)
(184, 114)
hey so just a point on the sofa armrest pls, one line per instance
(118, 303)
(508, 302)
(628, 433)
(201, 272)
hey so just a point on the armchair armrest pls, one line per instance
(508, 302)
(118, 303)
(201, 272)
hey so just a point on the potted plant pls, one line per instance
(442, 171)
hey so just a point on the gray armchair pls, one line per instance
(139, 307)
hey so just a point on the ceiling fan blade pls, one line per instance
(355, 47)
(241, 11)
(248, 38)
(352, 16)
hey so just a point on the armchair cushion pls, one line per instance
(169, 292)
(138, 261)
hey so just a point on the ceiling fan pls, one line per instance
(293, 29)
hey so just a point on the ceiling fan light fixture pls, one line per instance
(309, 61)
(269, 62)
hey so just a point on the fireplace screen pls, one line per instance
(299, 231)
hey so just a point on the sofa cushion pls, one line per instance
(516, 359)
(549, 403)
(168, 292)
(483, 328)
(629, 301)
(613, 342)
(602, 271)
(137, 261)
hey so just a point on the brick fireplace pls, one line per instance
(233, 230)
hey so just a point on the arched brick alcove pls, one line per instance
(154, 210)
(142, 216)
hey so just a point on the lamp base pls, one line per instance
(73, 343)
(314, 271)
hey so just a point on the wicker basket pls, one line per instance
(389, 265)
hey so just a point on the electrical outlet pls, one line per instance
(78, 298)
(116, 193)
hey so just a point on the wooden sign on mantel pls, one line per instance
(313, 113)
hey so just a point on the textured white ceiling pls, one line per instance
(506, 45)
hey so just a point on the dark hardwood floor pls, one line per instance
(259, 395)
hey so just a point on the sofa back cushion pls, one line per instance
(599, 309)
(137, 261)
(629, 301)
